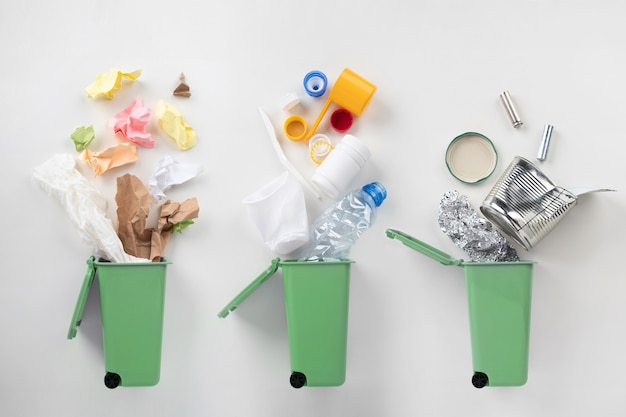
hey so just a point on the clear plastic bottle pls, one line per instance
(336, 230)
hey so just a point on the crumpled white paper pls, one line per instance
(167, 173)
(85, 206)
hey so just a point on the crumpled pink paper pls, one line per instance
(131, 123)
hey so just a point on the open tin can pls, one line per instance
(525, 204)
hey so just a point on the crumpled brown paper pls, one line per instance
(133, 207)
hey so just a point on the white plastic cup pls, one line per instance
(341, 166)
(278, 210)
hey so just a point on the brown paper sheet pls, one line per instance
(133, 207)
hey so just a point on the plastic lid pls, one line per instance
(341, 120)
(315, 83)
(377, 191)
(471, 157)
(82, 298)
(252, 287)
(295, 127)
(289, 101)
(424, 248)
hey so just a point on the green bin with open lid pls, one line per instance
(499, 301)
(132, 297)
(316, 304)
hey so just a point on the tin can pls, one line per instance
(525, 204)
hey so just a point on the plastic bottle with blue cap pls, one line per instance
(335, 231)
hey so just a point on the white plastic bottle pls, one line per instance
(336, 230)
(341, 166)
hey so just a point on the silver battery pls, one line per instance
(505, 97)
(545, 143)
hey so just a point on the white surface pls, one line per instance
(439, 68)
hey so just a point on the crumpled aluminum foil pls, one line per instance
(474, 234)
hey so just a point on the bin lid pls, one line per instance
(424, 248)
(82, 298)
(264, 276)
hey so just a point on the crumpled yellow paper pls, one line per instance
(115, 156)
(109, 83)
(172, 122)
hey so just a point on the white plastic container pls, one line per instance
(341, 166)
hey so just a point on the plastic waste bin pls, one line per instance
(499, 300)
(132, 299)
(316, 303)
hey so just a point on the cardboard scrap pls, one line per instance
(183, 89)
(133, 207)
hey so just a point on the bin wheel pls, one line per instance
(480, 380)
(112, 380)
(297, 379)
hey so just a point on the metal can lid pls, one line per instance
(471, 157)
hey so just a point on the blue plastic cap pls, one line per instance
(315, 83)
(377, 191)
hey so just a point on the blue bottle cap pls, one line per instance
(315, 83)
(377, 191)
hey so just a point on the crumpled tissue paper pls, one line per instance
(85, 206)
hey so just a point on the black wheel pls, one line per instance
(297, 379)
(112, 380)
(480, 380)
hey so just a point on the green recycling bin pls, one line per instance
(132, 299)
(499, 300)
(316, 304)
